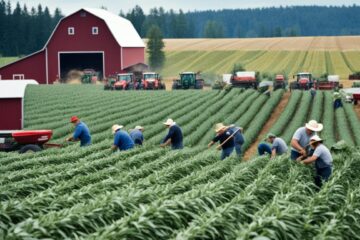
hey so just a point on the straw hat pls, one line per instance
(169, 122)
(315, 139)
(269, 135)
(313, 125)
(219, 127)
(139, 128)
(116, 127)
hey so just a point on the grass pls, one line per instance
(6, 60)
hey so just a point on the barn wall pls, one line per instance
(10, 114)
(33, 67)
(83, 40)
(133, 56)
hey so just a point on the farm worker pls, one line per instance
(301, 138)
(337, 100)
(122, 139)
(312, 92)
(136, 135)
(238, 138)
(81, 133)
(322, 158)
(278, 147)
(225, 136)
(174, 136)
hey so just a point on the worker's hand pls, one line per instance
(68, 139)
(209, 145)
(303, 152)
(218, 147)
(162, 145)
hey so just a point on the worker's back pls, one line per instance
(123, 140)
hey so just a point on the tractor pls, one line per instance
(188, 80)
(122, 81)
(328, 82)
(244, 79)
(304, 81)
(151, 81)
(354, 76)
(90, 76)
(280, 82)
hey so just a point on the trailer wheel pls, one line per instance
(30, 148)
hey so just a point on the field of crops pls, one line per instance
(155, 193)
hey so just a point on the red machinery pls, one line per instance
(244, 79)
(26, 140)
(280, 82)
(151, 81)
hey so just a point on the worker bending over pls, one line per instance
(300, 140)
(122, 139)
(337, 100)
(225, 136)
(278, 147)
(174, 136)
(81, 133)
(136, 135)
(322, 158)
(238, 138)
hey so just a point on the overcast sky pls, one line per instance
(69, 6)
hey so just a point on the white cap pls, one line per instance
(116, 127)
(169, 122)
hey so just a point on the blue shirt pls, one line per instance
(175, 134)
(137, 136)
(324, 158)
(82, 132)
(223, 137)
(238, 137)
(123, 140)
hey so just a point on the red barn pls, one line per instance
(12, 104)
(88, 38)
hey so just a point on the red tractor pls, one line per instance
(303, 81)
(151, 81)
(280, 82)
(122, 81)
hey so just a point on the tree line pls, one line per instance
(23, 30)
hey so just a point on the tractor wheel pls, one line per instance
(30, 148)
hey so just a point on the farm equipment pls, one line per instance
(331, 82)
(26, 141)
(245, 79)
(280, 82)
(188, 80)
(151, 81)
(304, 81)
(90, 76)
(122, 81)
(354, 76)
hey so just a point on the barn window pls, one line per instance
(18, 76)
(95, 30)
(71, 31)
(83, 14)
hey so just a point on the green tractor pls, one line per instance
(90, 76)
(188, 80)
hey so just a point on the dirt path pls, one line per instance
(357, 110)
(274, 116)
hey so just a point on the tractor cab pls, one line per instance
(151, 81)
(188, 80)
(89, 76)
(280, 82)
(303, 81)
(124, 81)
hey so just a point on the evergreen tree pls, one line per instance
(213, 29)
(155, 47)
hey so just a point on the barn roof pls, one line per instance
(14, 88)
(121, 28)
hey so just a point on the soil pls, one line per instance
(357, 110)
(273, 118)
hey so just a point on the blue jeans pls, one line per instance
(176, 147)
(226, 152)
(264, 148)
(322, 174)
(138, 142)
(295, 155)
(238, 149)
(337, 103)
